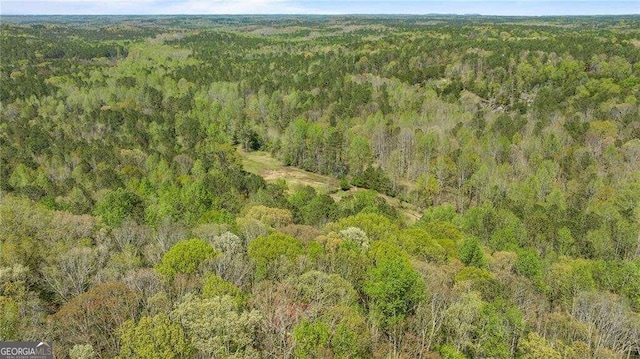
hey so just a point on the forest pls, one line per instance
(133, 226)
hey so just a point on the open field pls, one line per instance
(265, 165)
(269, 168)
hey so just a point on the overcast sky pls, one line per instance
(151, 7)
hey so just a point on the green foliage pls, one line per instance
(470, 252)
(213, 286)
(321, 210)
(375, 179)
(350, 338)
(217, 327)
(565, 241)
(493, 342)
(185, 257)
(359, 153)
(620, 277)
(528, 264)
(534, 346)
(323, 290)
(152, 338)
(272, 217)
(366, 202)
(311, 339)
(9, 319)
(480, 221)
(273, 195)
(349, 259)
(374, 225)
(300, 197)
(343, 342)
(118, 205)
(122, 136)
(442, 231)
(417, 242)
(461, 324)
(393, 287)
(481, 281)
(444, 213)
(446, 234)
(450, 352)
(566, 278)
(311, 208)
(509, 234)
(356, 236)
(271, 253)
(344, 184)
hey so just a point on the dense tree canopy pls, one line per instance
(318, 186)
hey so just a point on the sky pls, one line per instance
(199, 7)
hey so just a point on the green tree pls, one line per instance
(9, 319)
(366, 202)
(320, 291)
(470, 252)
(311, 339)
(295, 151)
(480, 221)
(359, 154)
(481, 281)
(271, 253)
(535, 347)
(393, 287)
(450, 352)
(185, 257)
(213, 286)
(357, 236)
(300, 197)
(446, 234)
(217, 327)
(319, 210)
(350, 337)
(347, 258)
(444, 213)
(528, 264)
(510, 232)
(566, 278)
(376, 226)
(417, 242)
(461, 321)
(565, 242)
(153, 337)
(272, 217)
(118, 205)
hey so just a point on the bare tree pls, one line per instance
(70, 274)
(610, 322)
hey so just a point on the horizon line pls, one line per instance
(333, 14)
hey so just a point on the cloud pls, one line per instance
(78, 1)
(206, 7)
(232, 7)
(152, 7)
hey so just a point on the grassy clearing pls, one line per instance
(263, 164)
(269, 168)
